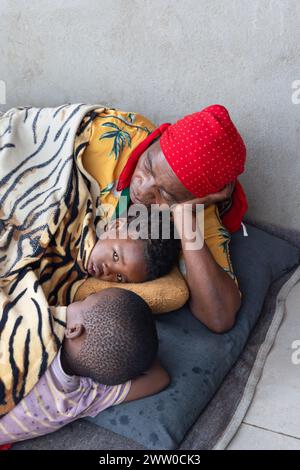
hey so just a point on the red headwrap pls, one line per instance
(206, 152)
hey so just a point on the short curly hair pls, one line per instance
(121, 339)
(160, 253)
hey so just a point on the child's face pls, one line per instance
(118, 260)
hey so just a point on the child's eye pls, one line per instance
(115, 256)
(119, 278)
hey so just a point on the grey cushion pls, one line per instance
(197, 359)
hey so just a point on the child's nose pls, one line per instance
(106, 270)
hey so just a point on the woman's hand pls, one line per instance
(214, 198)
(214, 296)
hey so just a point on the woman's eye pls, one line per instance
(165, 196)
(148, 165)
(115, 256)
(119, 278)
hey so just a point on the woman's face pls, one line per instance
(154, 181)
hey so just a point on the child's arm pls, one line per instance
(153, 381)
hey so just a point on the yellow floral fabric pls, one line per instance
(112, 136)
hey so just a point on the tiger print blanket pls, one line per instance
(47, 208)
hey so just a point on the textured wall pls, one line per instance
(166, 58)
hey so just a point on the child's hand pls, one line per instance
(151, 382)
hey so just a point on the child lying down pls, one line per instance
(118, 259)
(108, 356)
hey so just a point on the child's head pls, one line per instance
(110, 337)
(134, 260)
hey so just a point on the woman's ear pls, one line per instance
(75, 331)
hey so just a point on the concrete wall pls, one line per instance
(167, 58)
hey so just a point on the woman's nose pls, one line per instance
(147, 191)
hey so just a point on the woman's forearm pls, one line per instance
(214, 296)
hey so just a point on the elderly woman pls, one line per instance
(195, 160)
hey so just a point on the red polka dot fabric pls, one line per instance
(205, 150)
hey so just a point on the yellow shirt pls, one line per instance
(112, 136)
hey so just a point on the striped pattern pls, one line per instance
(46, 234)
(55, 401)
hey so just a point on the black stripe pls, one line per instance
(2, 394)
(56, 338)
(80, 275)
(24, 236)
(69, 191)
(90, 117)
(25, 224)
(73, 210)
(80, 147)
(60, 322)
(6, 178)
(63, 283)
(9, 234)
(5, 132)
(50, 268)
(26, 114)
(22, 227)
(25, 365)
(67, 120)
(34, 217)
(21, 275)
(60, 108)
(34, 123)
(39, 182)
(7, 309)
(7, 146)
(44, 360)
(56, 215)
(83, 239)
(12, 362)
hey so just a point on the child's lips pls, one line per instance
(94, 270)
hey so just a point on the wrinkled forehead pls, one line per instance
(164, 173)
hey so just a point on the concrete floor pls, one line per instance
(273, 419)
